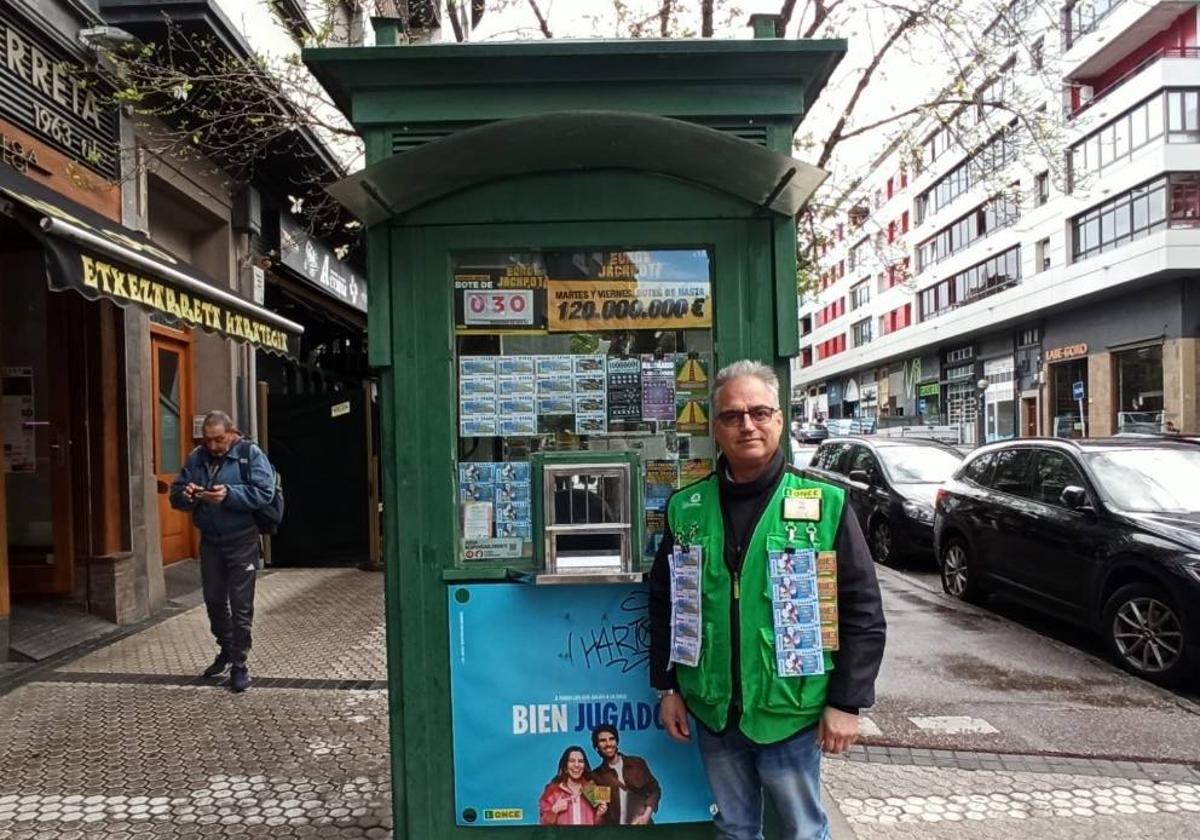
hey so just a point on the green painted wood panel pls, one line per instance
(419, 404)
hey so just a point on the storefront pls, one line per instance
(70, 493)
(325, 393)
(1068, 390)
(554, 282)
(999, 399)
(961, 392)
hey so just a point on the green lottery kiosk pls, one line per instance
(567, 239)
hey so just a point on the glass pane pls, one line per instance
(1154, 116)
(1190, 101)
(170, 442)
(1138, 125)
(1054, 473)
(1175, 111)
(1158, 203)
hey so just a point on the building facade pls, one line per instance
(977, 290)
(130, 308)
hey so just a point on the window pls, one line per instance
(857, 254)
(1042, 189)
(1041, 255)
(986, 278)
(996, 214)
(860, 295)
(1175, 112)
(863, 459)
(861, 332)
(978, 470)
(1140, 389)
(1053, 474)
(831, 457)
(1185, 200)
(1012, 472)
(1183, 119)
(1120, 220)
(1037, 54)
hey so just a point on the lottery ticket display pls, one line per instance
(504, 395)
(495, 500)
(797, 611)
(685, 605)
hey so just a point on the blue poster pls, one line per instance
(555, 722)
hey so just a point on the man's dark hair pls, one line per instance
(604, 727)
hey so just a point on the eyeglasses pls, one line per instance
(759, 414)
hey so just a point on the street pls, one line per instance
(981, 721)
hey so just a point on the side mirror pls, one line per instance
(860, 477)
(1074, 498)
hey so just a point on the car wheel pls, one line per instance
(958, 578)
(1145, 633)
(881, 541)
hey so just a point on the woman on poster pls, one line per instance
(566, 801)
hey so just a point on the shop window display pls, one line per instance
(577, 351)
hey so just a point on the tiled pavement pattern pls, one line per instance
(120, 743)
(893, 801)
(312, 623)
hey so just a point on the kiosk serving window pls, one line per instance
(578, 351)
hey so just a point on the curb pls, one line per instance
(839, 827)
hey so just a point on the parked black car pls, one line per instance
(1103, 532)
(892, 483)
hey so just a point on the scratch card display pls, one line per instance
(685, 566)
(658, 388)
(624, 388)
(797, 613)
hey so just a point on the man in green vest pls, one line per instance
(766, 621)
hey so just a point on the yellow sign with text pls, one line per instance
(590, 305)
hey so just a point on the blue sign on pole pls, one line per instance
(533, 671)
(1077, 391)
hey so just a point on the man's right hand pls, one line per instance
(191, 490)
(673, 714)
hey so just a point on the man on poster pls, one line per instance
(636, 791)
(764, 714)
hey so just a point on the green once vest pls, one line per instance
(773, 707)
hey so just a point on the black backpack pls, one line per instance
(266, 518)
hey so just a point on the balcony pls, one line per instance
(1084, 96)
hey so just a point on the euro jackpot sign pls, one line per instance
(591, 305)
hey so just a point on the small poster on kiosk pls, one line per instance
(533, 696)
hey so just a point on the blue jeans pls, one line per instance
(738, 771)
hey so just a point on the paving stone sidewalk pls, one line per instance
(125, 741)
(886, 801)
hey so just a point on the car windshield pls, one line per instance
(918, 464)
(1149, 480)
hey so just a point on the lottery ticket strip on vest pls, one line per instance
(566, 241)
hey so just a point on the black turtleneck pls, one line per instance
(743, 503)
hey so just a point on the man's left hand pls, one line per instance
(642, 818)
(216, 494)
(837, 731)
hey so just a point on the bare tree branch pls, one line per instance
(541, 19)
(706, 18)
(786, 12)
(664, 18)
(455, 22)
(864, 81)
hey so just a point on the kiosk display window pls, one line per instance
(577, 350)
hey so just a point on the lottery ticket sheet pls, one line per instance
(797, 613)
(685, 605)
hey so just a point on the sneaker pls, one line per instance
(218, 666)
(239, 678)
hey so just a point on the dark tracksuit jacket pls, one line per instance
(861, 626)
(229, 544)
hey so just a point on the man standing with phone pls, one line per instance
(222, 495)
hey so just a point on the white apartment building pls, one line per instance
(945, 300)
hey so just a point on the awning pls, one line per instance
(575, 140)
(102, 259)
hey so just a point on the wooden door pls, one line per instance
(171, 362)
(1029, 409)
